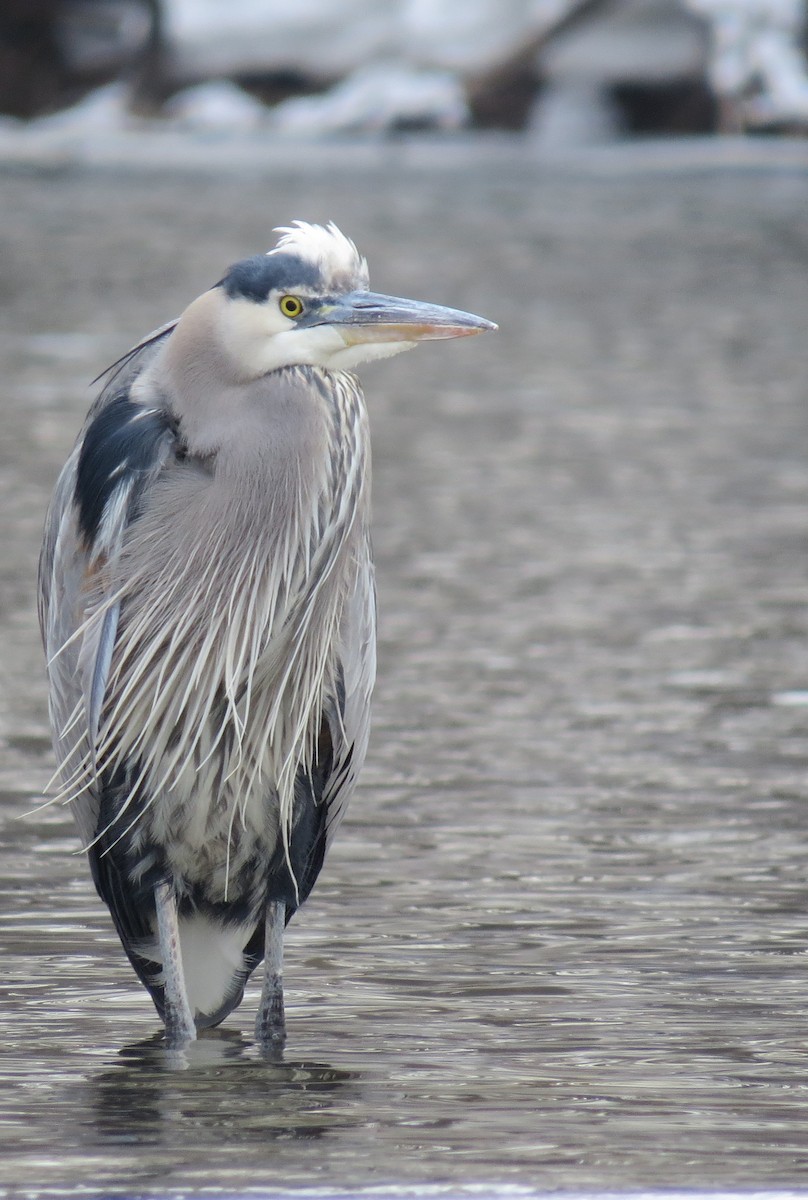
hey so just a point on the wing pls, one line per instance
(323, 792)
(132, 357)
(350, 724)
(120, 452)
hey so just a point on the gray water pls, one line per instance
(561, 942)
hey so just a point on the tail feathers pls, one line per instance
(213, 965)
(217, 961)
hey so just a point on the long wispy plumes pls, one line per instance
(217, 702)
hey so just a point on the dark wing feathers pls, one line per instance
(121, 448)
(119, 453)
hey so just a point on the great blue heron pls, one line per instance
(208, 611)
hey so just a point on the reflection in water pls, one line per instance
(218, 1081)
(561, 941)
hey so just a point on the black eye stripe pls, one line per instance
(254, 278)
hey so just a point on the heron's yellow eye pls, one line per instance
(291, 306)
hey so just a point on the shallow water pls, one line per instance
(561, 941)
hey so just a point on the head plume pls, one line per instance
(328, 250)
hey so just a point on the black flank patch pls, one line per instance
(120, 447)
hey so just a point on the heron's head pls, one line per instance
(307, 303)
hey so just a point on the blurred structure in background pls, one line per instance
(757, 68)
(568, 71)
(53, 52)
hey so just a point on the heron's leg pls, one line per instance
(179, 1019)
(270, 1024)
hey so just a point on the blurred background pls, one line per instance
(567, 71)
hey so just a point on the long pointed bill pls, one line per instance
(370, 317)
